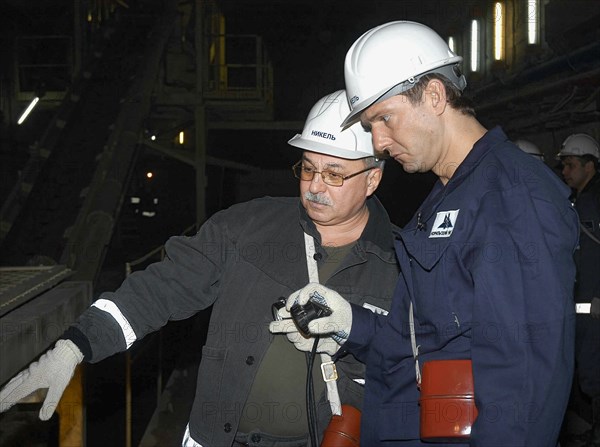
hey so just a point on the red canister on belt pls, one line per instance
(344, 430)
(447, 401)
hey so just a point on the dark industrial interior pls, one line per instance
(152, 115)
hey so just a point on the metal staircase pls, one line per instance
(65, 208)
(87, 150)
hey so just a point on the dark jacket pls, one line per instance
(587, 256)
(240, 262)
(488, 263)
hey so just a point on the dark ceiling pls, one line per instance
(307, 40)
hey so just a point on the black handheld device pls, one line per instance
(303, 315)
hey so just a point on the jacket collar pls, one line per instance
(480, 149)
(377, 235)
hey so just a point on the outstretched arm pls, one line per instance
(53, 371)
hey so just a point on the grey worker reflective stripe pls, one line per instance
(112, 309)
(188, 441)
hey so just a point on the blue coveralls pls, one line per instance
(488, 263)
(587, 257)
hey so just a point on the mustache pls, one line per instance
(317, 198)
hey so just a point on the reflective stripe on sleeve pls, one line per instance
(111, 308)
(188, 441)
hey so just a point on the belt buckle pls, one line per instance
(329, 371)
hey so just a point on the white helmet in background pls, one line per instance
(529, 148)
(579, 144)
(322, 132)
(390, 59)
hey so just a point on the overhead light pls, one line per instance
(474, 45)
(28, 110)
(532, 21)
(153, 137)
(498, 31)
(181, 137)
(149, 174)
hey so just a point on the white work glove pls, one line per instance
(285, 325)
(53, 370)
(335, 326)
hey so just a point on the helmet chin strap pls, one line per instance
(451, 72)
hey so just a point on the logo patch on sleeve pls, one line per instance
(444, 223)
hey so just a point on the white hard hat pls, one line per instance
(579, 144)
(390, 59)
(529, 148)
(322, 132)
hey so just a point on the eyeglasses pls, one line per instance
(307, 173)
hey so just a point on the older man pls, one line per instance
(251, 385)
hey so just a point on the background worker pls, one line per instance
(251, 385)
(530, 148)
(487, 261)
(579, 157)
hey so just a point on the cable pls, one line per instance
(311, 412)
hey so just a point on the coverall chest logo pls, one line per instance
(444, 223)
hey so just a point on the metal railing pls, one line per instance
(238, 67)
(148, 348)
(160, 251)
